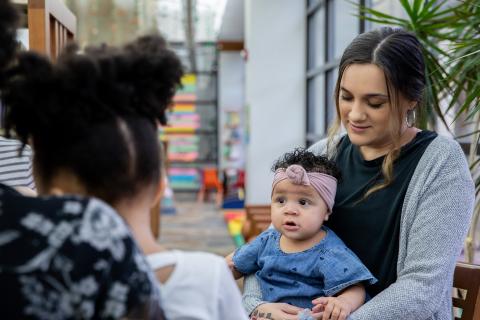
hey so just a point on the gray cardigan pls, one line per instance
(435, 219)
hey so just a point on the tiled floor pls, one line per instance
(195, 226)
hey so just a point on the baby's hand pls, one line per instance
(331, 308)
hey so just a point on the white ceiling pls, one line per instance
(232, 25)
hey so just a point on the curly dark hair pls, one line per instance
(8, 24)
(95, 113)
(309, 161)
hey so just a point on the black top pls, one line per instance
(371, 227)
(70, 258)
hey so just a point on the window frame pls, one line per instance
(324, 67)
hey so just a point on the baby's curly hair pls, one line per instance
(94, 113)
(309, 161)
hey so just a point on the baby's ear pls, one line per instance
(327, 216)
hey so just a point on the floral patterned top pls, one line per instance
(70, 258)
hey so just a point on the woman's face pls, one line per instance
(364, 106)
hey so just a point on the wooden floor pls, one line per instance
(195, 227)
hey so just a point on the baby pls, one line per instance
(299, 259)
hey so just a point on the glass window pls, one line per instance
(170, 17)
(331, 26)
(311, 3)
(331, 82)
(393, 8)
(206, 87)
(345, 25)
(208, 117)
(316, 105)
(206, 56)
(310, 106)
(316, 39)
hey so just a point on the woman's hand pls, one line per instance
(275, 311)
(331, 308)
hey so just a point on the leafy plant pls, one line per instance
(450, 35)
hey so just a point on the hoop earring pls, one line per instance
(411, 118)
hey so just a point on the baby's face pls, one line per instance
(298, 211)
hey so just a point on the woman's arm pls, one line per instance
(252, 294)
(351, 299)
(252, 302)
(434, 224)
(276, 311)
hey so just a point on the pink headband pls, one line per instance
(324, 184)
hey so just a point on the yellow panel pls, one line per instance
(189, 78)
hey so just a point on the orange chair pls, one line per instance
(210, 182)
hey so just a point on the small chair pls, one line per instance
(467, 298)
(210, 182)
(240, 183)
(258, 220)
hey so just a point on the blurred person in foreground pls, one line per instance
(15, 168)
(92, 118)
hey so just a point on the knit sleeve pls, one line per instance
(326, 147)
(435, 220)
(252, 294)
(319, 147)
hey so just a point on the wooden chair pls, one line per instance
(467, 298)
(258, 219)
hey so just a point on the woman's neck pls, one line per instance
(374, 152)
(137, 214)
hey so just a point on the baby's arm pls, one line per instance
(340, 306)
(236, 274)
(245, 259)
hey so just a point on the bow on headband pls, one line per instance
(324, 184)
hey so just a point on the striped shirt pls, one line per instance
(15, 169)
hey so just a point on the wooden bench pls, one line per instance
(466, 295)
(257, 220)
